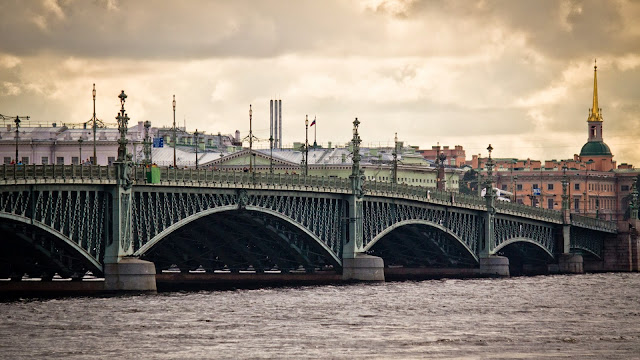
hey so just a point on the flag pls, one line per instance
(313, 122)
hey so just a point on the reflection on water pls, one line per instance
(594, 316)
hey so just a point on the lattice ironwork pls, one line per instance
(155, 211)
(587, 240)
(383, 214)
(79, 215)
(507, 228)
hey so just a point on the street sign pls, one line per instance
(536, 191)
(158, 142)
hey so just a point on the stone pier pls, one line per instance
(363, 267)
(130, 274)
(494, 266)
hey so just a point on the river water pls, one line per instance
(593, 316)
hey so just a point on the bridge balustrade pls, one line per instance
(593, 223)
(529, 211)
(18, 173)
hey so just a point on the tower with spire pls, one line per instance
(595, 150)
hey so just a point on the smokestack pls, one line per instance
(276, 123)
(271, 122)
(280, 123)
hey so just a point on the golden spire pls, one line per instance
(594, 113)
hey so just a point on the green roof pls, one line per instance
(595, 148)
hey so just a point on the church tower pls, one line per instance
(595, 150)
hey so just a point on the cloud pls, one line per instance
(516, 74)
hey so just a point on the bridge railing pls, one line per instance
(13, 173)
(521, 209)
(593, 223)
(247, 179)
(428, 194)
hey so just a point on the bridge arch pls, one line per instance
(522, 240)
(397, 225)
(180, 224)
(591, 252)
(57, 235)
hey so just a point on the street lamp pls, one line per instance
(565, 184)
(147, 142)
(94, 126)
(306, 145)
(195, 140)
(271, 154)
(174, 131)
(394, 179)
(80, 148)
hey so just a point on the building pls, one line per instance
(47, 144)
(377, 164)
(596, 187)
(453, 157)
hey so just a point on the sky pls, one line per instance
(514, 74)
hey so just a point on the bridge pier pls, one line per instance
(363, 267)
(130, 274)
(494, 266)
(570, 264)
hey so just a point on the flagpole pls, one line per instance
(315, 129)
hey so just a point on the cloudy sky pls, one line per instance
(516, 74)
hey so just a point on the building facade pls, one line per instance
(596, 186)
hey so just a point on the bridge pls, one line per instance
(73, 219)
(128, 222)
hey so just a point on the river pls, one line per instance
(592, 316)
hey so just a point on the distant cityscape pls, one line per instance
(598, 186)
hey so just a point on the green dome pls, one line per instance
(595, 148)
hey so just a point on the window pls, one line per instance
(60, 160)
(45, 160)
(504, 186)
(75, 160)
(576, 186)
(576, 205)
(7, 159)
(25, 160)
(549, 186)
(519, 186)
(622, 188)
(519, 201)
(534, 186)
(111, 160)
(550, 203)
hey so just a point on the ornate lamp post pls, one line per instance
(306, 145)
(633, 202)
(515, 188)
(17, 121)
(80, 148)
(174, 131)
(355, 168)
(565, 185)
(271, 154)
(94, 125)
(147, 143)
(195, 140)
(123, 120)
(441, 179)
(394, 177)
(489, 184)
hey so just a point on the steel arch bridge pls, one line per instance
(75, 219)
